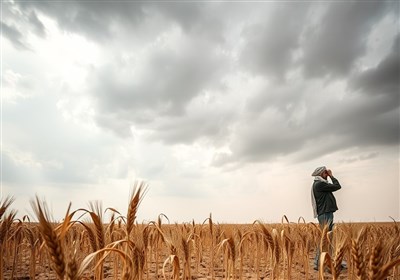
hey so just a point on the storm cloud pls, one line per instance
(163, 88)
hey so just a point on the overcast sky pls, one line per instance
(222, 108)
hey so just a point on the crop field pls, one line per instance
(99, 243)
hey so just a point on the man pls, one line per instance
(323, 200)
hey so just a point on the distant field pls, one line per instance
(96, 244)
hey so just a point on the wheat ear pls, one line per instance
(5, 204)
(337, 263)
(384, 271)
(357, 255)
(134, 202)
(52, 241)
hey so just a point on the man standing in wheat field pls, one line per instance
(323, 200)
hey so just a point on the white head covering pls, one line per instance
(314, 203)
(317, 174)
(318, 171)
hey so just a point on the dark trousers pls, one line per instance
(323, 219)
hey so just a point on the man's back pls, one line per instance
(324, 198)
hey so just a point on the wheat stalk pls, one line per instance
(174, 260)
(276, 253)
(143, 249)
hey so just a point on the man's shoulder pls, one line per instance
(318, 183)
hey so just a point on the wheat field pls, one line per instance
(97, 243)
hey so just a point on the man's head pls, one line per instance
(321, 171)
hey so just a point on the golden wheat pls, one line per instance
(85, 246)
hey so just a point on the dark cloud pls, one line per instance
(349, 124)
(116, 124)
(384, 78)
(333, 44)
(184, 14)
(313, 123)
(310, 125)
(263, 137)
(376, 115)
(191, 48)
(93, 19)
(266, 145)
(16, 25)
(209, 124)
(14, 35)
(161, 86)
(270, 44)
(285, 98)
(104, 21)
(36, 24)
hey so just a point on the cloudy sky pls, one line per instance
(221, 107)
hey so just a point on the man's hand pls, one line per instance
(329, 173)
